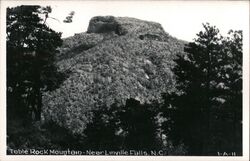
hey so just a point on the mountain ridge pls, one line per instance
(116, 59)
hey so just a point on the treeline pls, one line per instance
(202, 117)
(207, 113)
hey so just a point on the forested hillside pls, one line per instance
(124, 84)
(117, 59)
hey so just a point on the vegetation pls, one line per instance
(31, 47)
(69, 18)
(206, 112)
(109, 68)
(139, 90)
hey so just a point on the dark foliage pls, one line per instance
(139, 124)
(205, 114)
(31, 46)
(201, 118)
(101, 134)
(130, 127)
(40, 136)
(69, 18)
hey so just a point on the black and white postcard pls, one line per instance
(124, 80)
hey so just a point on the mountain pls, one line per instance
(116, 59)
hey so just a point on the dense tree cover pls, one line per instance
(106, 67)
(205, 113)
(203, 116)
(132, 126)
(31, 47)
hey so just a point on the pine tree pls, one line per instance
(229, 115)
(139, 126)
(101, 133)
(202, 77)
(31, 47)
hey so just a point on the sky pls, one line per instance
(181, 19)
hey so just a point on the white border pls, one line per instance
(4, 157)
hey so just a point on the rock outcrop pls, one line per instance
(116, 59)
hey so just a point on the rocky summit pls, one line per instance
(115, 59)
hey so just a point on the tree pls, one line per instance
(69, 18)
(202, 77)
(138, 122)
(229, 116)
(103, 132)
(132, 126)
(31, 47)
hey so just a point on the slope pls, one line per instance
(116, 59)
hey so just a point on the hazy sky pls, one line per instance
(181, 19)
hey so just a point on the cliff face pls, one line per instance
(116, 59)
